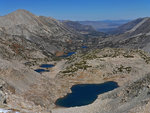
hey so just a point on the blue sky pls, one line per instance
(80, 9)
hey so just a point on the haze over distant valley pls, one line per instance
(105, 25)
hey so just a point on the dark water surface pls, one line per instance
(84, 94)
(84, 47)
(68, 54)
(41, 70)
(47, 65)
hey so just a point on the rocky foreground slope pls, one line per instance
(24, 90)
(129, 68)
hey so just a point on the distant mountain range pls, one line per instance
(86, 30)
(105, 25)
(122, 33)
(140, 24)
(132, 35)
(46, 34)
(50, 36)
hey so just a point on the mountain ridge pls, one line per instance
(105, 25)
(40, 30)
(86, 30)
(130, 25)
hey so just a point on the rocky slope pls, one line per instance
(135, 35)
(18, 48)
(123, 66)
(24, 90)
(128, 26)
(27, 40)
(44, 32)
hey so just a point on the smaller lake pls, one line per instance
(84, 47)
(68, 54)
(41, 70)
(47, 65)
(84, 94)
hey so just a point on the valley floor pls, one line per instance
(25, 90)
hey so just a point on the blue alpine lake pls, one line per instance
(68, 54)
(41, 70)
(47, 65)
(84, 94)
(84, 47)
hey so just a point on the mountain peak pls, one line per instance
(18, 12)
(21, 12)
(18, 17)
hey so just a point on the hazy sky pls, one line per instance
(80, 9)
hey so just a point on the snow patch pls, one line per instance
(6, 111)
